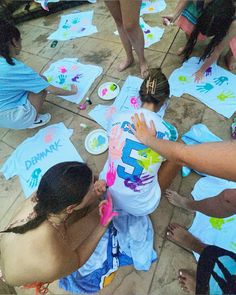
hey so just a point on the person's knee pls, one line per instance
(130, 26)
(228, 195)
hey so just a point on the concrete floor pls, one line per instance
(105, 49)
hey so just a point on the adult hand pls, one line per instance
(198, 76)
(100, 187)
(142, 132)
(74, 89)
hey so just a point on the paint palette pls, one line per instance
(108, 90)
(96, 142)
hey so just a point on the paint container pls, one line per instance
(54, 44)
(82, 106)
(88, 101)
(84, 126)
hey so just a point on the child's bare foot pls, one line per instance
(187, 281)
(230, 61)
(180, 236)
(125, 64)
(180, 51)
(143, 69)
(175, 199)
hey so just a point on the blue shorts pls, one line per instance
(20, 117)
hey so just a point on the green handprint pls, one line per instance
(217, 223)
(149, 36)
(49, 79)
(184, 79)
(224, 95)
(149, 157)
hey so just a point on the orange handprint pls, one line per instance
(115, 143)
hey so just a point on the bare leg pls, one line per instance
(130, 11)
(181, 49)
(167, 173)
(221, 206)
(230, 60)
(180, 236)
(114, 8)
(187, 281)
(37, 99)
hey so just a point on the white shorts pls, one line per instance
(20, 117)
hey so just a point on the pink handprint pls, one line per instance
(109, 113)
(106, 212)
(111, 175)
(115, 144)
(63, 70)
(134, 102)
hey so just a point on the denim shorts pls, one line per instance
(20, 117)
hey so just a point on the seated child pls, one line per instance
(200, 19)
(22, 90)
(131, 169)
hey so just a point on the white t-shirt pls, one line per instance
(131, 168)
(34, 156)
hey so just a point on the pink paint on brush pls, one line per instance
(106, 212)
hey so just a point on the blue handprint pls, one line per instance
(34, 179)
(219, 81)
(204, 88)
(66, 26)
(75, 21)
(62, 79)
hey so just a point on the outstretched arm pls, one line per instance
(217, 159)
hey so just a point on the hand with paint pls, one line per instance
(111, 174)
(115, 143)
(198, 76)
(105, 210)
(141, 131)
(99, 187)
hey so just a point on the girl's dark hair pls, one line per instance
(7, 32)
(155, 87)
(214, 22)
(62, 185)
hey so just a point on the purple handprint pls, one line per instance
(136, 182)
(208, 72)
(77, 77)
(111, 175)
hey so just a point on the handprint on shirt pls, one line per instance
(219, 81)
(134, 102)
(224, 95)
(110, 112)
(76, 77)
(75, 21)
(204, 88)
(34, 179)
(136, 183)
(115, 143)
(66, 26)
(184, 79)
(62, 79)
(111, 175)
(148, 158)
(208, 72)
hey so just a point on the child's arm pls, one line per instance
(216, 53)
(60, 91)
(178, 10)
(167, 173)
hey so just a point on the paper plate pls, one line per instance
(108, 90)
(96, 142)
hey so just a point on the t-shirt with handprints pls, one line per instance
(34, 156)
(131, 169)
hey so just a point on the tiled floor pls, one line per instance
(104, 49)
